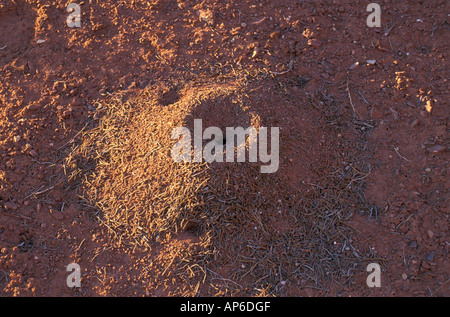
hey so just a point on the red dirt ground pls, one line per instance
(48, 89)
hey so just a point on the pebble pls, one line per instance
(255, 52)
(404, 276)
(354, 65)
(314, 42)
(56, 214)
(437, 149)
(430, 257)
(10, 206)
(371, 61)
(428, 170)
(243, 24)
(17, 138)
(430, 234)
(426, 266)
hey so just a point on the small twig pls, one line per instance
(396, 151)
(40, 192)
(389, 29)
(376, 212)
(386, 33)
(361, 95)
(3, 47)
(170, 264)
(291, 63)
(396, 227)
(40, 163)
(5, 276)
(432, 293)
(351, 102)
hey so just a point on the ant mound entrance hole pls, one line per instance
(221, 121)
(16, 28)
(222, 112)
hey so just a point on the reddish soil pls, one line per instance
(53, 76)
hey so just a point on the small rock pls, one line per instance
(40, 41)
(17, 138)
(354, 65)
(412, 244)
(10, 206)
(430, 257)
(426, 266)
(33, 153)
(314, 42)
(437, 149)
(371, 61)
(255, 52)
(243, 24)
(430, 234)
(428, 170)
(56, 214)
(404, 276)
